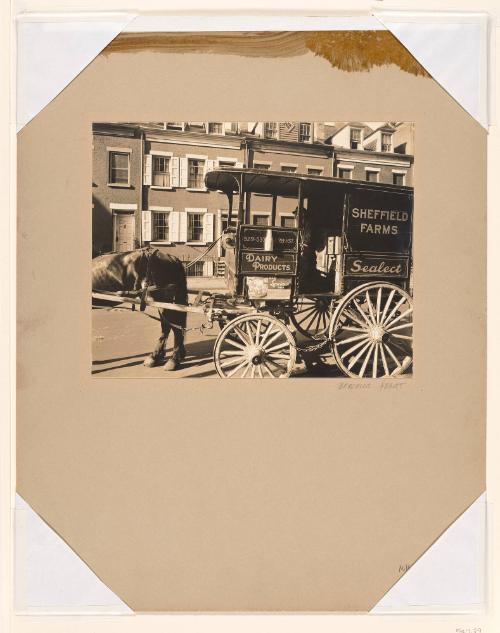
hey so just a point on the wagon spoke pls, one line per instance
(407, 338)
(230, 352)
(401, 316)
(361, 312)
(272, 340)
(384, 359)
(307, 325)
(391, 354)
(353, 338)
(232, 361)
(268, 331)
(387, 304)
(230, 341)
(273, 362)
(232, 372)
(355, 359)
(277, 347)
(394, 310)
(264, 364)
(349, 328)
(243, 375)
(257, 332)
(259, 371)
(354, 318)
(367, 358)
(253, 371)
(308, 309)
(242, 335)
(375, 361)
(353, 348)
(370, 306)
(379, 301)
(402, 326)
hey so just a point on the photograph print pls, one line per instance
(271, 249)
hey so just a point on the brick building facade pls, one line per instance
(148, 179)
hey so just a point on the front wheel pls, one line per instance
(255, 346)
(372, 331)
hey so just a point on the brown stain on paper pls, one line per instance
(349, 51)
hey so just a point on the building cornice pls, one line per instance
(288, 147)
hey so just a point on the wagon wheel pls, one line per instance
(311, 316)
(255, 346)
(371, 331)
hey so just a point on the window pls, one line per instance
(344, 173)
(215, 128)
(195, 227)
(160, 226)
(261, 220)
(315, 171)
(175, 125)
(161, 171)
(289, 169)
(195, 270)
(270, 129)
(371, 176)
(398, 179)
(288, 222)
(386, 142)
(262, 166)
(196, 167)
(304, 132)
(226, 163)
(355, 138)
(119, 168)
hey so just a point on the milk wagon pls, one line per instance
(336, 280)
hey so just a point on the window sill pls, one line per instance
(204, 190)
(195, 243)
(160, 243)
(160, 188)
(120, 185)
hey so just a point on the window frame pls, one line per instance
(386, 134)
(301, 123)
(359, 142)
(154, 238)
(190, 240)
(204, 159)
(221, 123)
(261, 214)
(372, 170)
(168, 156)
(112, 151)
(316, 167)
(287, 216)
(275, 128)
(397, 172)
(293, 165)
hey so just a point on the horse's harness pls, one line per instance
(149, 253)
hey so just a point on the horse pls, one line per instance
(160, 276)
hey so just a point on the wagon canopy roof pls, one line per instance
(285, 184)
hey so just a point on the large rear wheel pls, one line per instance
(372, 331)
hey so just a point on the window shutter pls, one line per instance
(148, 169)
(174, 171)
(183, 172)
(173, 226)
(146, 226)
(208, 227)
(208, 268)
(183, 227)
(210, 165)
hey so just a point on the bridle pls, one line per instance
(149, 253)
